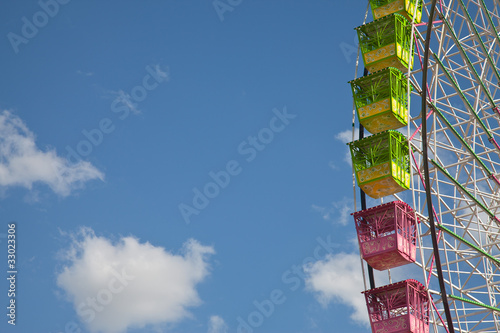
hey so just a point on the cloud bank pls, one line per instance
(128, 284)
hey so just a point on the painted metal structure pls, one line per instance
(381, 8)
(387, 235)
(452, 155)
(381, 100)
(382, 163)
(386, 42)
(401, 307)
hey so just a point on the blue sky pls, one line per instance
(180, 162)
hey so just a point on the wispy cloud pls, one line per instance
(346, 137)
(133, 284)
(217, 325)
(332, 165)
(22, 163)
(122, 97)
(84, 73)
(163, 73)
(128, 100)
(337, 212)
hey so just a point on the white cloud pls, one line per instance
(22, 163)
(338, 278)
(338, 212)
(346, 137)
(217, 325)
(133, 284)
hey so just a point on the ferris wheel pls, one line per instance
(430, 98)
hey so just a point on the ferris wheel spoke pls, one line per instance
(464, 143)
(460, 118)
(492, 25)
(479, 40)
(471, 74)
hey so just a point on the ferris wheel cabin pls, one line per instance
(381, 100)
(381, 163)
(401, 307)
(381, 8)
(387, 235)
(386, 42)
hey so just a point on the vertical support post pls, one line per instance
(371, 277)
